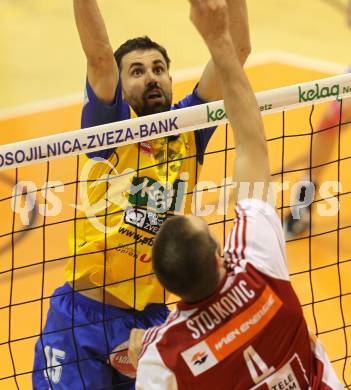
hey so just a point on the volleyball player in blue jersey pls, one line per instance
(108, 292)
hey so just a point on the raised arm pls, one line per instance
(209, 86)
(251, 159)
(239, 28)
(102, 71)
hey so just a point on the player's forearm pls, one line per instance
(239, 28)
(251, 164)
(240, 101)
(209, 86)
(92, 31)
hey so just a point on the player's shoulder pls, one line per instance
(252, 206)
(258, 213)
(189, 100)
(153, 335)
(257, 238)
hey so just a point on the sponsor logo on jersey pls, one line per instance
(136, 237)
(292, 376)
(157, 197)
(119, 360)
(233, 334)
(145, 258)
(143, 219)
(199, 358)
(129, 251)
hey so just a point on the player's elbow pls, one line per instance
(243, 53)
(260, 147)
(102, 58)
(255, 146)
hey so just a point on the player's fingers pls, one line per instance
(133, 348)
(135, 345)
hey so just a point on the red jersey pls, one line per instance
(250, 334)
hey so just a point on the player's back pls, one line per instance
(251, 333)
(248, 331)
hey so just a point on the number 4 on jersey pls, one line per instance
(257, 367)
(53, 356)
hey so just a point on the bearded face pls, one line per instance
(147, 85)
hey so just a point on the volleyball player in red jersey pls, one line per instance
(239, 324)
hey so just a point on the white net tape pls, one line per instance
(167, 123)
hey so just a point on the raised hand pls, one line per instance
(210, 17)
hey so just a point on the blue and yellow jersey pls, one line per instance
(125, 195)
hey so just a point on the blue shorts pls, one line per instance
(84, 343)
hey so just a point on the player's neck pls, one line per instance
(222, 275)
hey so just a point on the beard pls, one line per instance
(147, 108)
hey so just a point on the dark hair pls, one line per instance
(183, 258)
(140, 43)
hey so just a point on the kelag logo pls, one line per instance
(215, 115)
(319, 93)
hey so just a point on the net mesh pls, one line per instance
(34, 250)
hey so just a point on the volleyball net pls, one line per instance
(44, 195)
